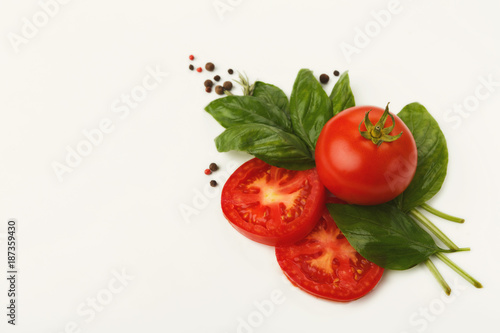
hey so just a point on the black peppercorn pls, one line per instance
(209, 66)
(217, 78)
(230, 71)
(191, 67)
(336, 73)
(213, 183)
(323, 78)
(228, 85)
(213, 167)
(219, 90)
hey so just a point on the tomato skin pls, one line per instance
(325, 265)
(271, 205)
(355, 169)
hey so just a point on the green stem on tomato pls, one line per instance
(435, 230)
(441, 214)
(430, 265)
(459, 270)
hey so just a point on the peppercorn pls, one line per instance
(230, 71)
(209, 66)
(213, 183)
(336, 73)
(191, 67)
(207, 172)
(208, 89)
(213, 167)
(199, 69)
(208, 83)
(323, 78)
(191, 57)
(227, 85)
(217, 78)
(219, 90)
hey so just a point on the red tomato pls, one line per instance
(271, 205)
(325, 265)
(359, 171)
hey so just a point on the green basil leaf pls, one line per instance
(310, 108)
(341, 95)
(272, 95)
(432, 156)
(384, 235)
(270, 144)
(238, 110)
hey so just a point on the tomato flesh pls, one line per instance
(357, 170)
(325, 265)
(271, 205)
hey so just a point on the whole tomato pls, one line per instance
(366, 156)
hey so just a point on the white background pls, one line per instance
(118, 211)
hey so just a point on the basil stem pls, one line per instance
(441, 214)
(432, 228)
(459, 270)
(430, 265)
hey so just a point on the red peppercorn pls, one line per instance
(191, 57)
(208, 171)
(208, 89)
(199, 69)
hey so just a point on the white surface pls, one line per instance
(120, 208)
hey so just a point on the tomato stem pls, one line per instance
(459, 270)
(432, 228)
(378, 133)
(441, 214)
(430, 265)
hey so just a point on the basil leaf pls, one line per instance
(432, 156)
(272, 95)
(341, 95)
(310, 108)
(238, 110)
(270, 144)
(384, 235)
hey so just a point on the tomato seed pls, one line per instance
(191, 57)
(207, 172)
(209, 66)
(213, 183)
(324, 78)
(336, 73)
(199, 69)
(213, 167)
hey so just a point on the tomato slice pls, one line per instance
(271, 205)
(325, 265)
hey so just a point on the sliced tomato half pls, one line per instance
(325, 265)
(271, 205)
